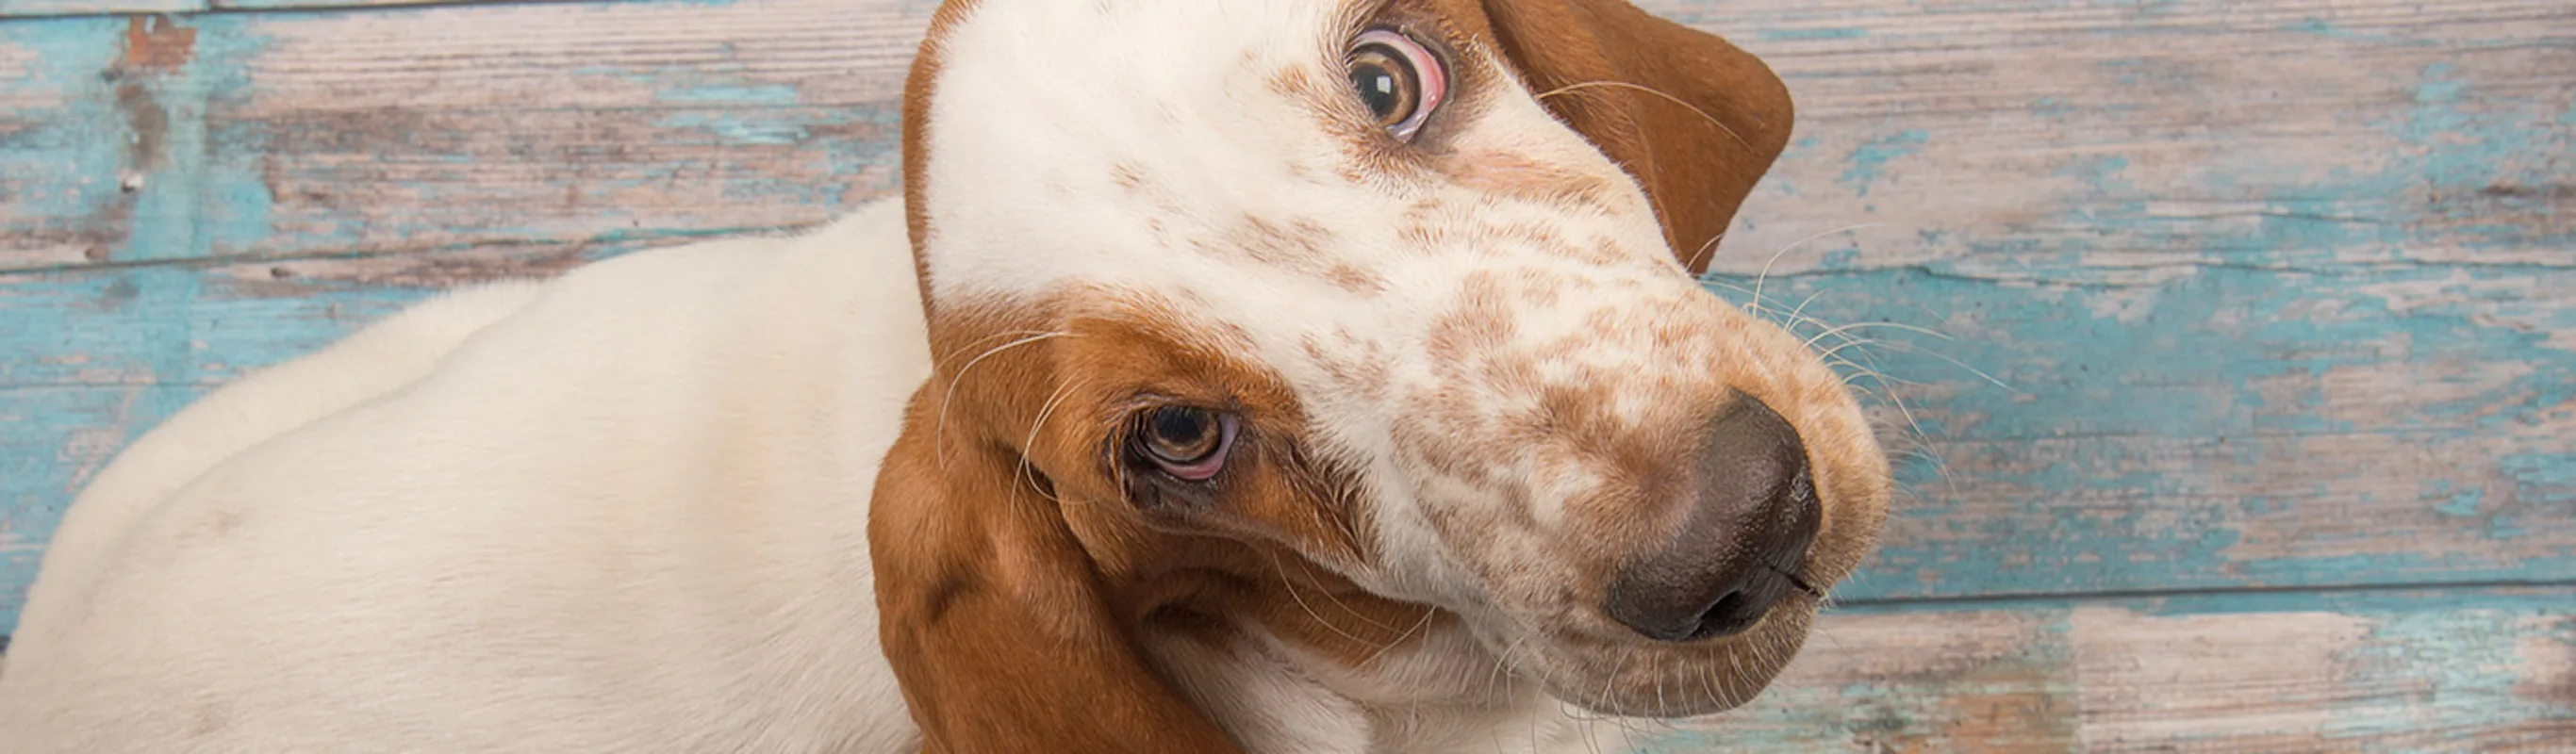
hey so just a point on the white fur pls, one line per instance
(621, 511)
(624, 511)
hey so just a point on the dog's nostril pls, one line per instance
(1751, 515)
(1728, 616)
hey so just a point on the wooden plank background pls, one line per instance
(2232, 346)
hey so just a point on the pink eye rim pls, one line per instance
(1417, 69)
(1177, 456)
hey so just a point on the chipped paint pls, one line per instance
(1867, 163)
(2278, 305)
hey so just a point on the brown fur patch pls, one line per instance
(1514, 176)
(1694, 119)
(1299, 247)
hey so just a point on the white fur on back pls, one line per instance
(623, 511)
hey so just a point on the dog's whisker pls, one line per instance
(1990, 379)
(1838, 330)
(1702, 253)
(1309, 568)
(1712, 119)
(1765, 275)
(1290, 584)
(1800, 311)
(939, 432)
(1427, 614)
(1028, 446)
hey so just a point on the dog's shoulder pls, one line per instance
(439, 496)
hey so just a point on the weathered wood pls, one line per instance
(95, 7)
(2278, 296)
(305, 4)
(438, 128)
(198, 326)
(2124, 143)
(2106, 141)
(62, 141)
(2228, 428)
(2419, 671)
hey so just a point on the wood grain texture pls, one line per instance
(436, 129)
(2271, 306)
(10, 8)
(2463, 670)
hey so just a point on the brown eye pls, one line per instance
(1186, 442)
(1398, 78)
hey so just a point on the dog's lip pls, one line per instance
(1795, 580)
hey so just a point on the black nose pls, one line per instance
(1751, 513)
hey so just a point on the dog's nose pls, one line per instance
(1751, 513)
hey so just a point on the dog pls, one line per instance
(1233, 375)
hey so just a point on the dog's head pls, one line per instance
(1392, 299)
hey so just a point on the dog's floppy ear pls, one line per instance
(1694, 119)
(992, 615)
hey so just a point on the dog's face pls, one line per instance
(1234, 282)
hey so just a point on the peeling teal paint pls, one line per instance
(57, 172)
(2246, 355)
(2470, 665)
(735, 129)
(775, 95)
(2462, 503)
(1867, 164)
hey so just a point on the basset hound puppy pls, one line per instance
(1234, 375)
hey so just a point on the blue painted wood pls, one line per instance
(2182, 296)
(96, 7)
(292, 134)
(2394, 671)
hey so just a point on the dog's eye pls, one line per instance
(1398, 78)
(1186, 442)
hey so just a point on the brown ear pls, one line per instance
(992, 616)
(1695, 120)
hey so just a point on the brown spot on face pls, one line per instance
(1356, 366)
(1355, 280)
(1477, 324)
(1514, 176)
(1300, 247)
(1297, 83)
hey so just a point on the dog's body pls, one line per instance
(531, 471)
(717, 545)
(922, 478)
